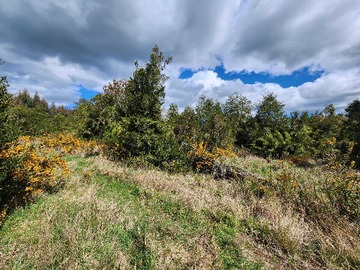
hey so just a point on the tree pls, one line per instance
(352, 114)
(352, 124)
(145, 91)
(187, 128)
(269, 134)
(5, 99)
(237, 112)
(302, 141)
(24, 98)
(213, 127)
(5, 136)
(138, 129)
(270, 113)
(172, 115)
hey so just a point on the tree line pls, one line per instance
(128, 117)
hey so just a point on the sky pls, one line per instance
(306, 52)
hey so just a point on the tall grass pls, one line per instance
(111, 216)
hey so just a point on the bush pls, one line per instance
(203, 161)
(343, 191)
(32, 169)
(33, 166)
(152, 140)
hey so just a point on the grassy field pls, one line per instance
(111, 216)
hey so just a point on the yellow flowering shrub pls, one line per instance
(37, 166)
(203, 160)
(69, 144)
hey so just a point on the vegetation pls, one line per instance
(116, 183)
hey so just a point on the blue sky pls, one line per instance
(295, 79)
(87, 93)
(306, 52)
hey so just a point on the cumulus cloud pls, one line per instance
(310, 96)
(54, 46)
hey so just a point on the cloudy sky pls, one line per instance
(307, 52)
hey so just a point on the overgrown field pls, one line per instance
(268, 214)
(183, 190)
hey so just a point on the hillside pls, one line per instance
(111, 216)
(118, 183)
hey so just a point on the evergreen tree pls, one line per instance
(172, 115)
(138, 129)
(145, 91)
(5, 99)
(352, 128)
(237, 112)
(270, 113)
(213, 126)
(269, 134)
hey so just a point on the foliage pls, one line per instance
(143, 137)
(95, 116)
(343, 190)
(37, 169)
(128, 117)
(270, 113)
(6, 135)
(187, 128)
(203, 161)
(145, 91)
(351, 125)
(213, 126)
(302, 143)
(32, 116)
(5, 99)
(172, 115)
(237, 112)
(269, 134)
(36, 165)
(273, 144)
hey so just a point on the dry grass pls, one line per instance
(294, 240)
(110, 216)
(67, 231)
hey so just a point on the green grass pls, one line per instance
(142, 229)
(110, 216)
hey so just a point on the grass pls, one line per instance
(111, 216)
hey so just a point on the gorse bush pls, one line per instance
(36, 165)
(69, 144)
(34, 169)
(203, 161)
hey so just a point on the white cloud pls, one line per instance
(50, 46)
(310, 96)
